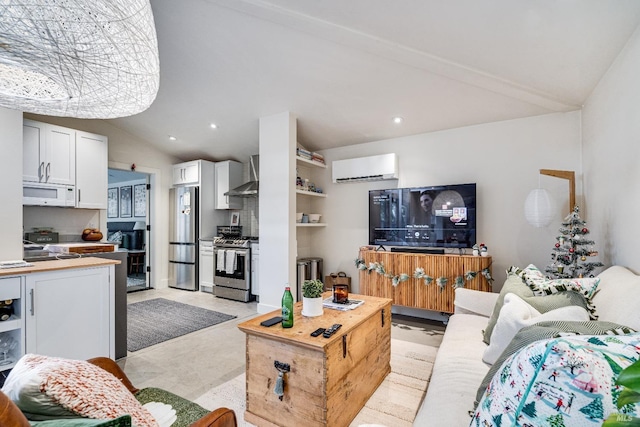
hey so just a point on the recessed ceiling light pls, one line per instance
(213, 126)
(172, 138)
(397, 120)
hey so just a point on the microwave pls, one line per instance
(36, 194)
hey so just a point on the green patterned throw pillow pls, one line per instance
(516, 285)
(540, 285)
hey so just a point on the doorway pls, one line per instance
(128, 219)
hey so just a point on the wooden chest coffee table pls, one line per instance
(330, 379)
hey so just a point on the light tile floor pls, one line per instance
(192, 364)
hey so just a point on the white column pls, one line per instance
(277, 263)
(11, 178)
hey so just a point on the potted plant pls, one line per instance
(629, 378)
(312, 298)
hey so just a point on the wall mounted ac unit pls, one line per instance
(373, 168)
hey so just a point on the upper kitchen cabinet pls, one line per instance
(187, 173)
(49, 153)
(92, 162)
(67, 160)
(228, 177)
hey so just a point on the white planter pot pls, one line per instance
(312, 307)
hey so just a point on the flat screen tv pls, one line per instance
(423, 217)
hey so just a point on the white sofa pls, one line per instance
(459, 370)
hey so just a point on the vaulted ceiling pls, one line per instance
(346, 68)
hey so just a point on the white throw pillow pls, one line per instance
(515, 314)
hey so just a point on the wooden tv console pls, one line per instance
(413, 292)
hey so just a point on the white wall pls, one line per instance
(11, 178)
(611, 140)
(503, 158)
(125, 150)
(67, 222)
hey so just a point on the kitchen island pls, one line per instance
(120, 286)
(63, 308)
(58, 264)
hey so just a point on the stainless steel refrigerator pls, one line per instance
(184, 234)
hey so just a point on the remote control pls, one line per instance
(317, 332)
(332, 330)
(272, 321)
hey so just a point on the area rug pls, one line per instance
(394, 404)
(156, 320)
(134, 281)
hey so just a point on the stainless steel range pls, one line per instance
(232, 264)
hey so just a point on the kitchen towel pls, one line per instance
(220, 260)
(230, 261)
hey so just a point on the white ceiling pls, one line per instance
(345, 68)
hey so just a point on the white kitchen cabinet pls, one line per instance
(206, 266)
(49, 153)
(92, 177)
(187, 173)
(255, 253)
(11, 289)
(228, 177)
(70, 313)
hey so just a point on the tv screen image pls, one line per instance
(430, 217)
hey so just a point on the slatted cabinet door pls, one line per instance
(415, 292)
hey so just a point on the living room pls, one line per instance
(598, 141)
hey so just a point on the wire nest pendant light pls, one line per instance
(78, 58)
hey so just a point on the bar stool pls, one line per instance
(136, 260)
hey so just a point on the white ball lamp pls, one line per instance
(78, 58)
(539, 208)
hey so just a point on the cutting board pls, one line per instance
(81, 248)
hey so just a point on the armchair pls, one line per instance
(189, 414)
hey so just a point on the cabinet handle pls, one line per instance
(32, 309)
(40, 171)
(382, 317)
(48, 169)
(79, 195)
(344, 346)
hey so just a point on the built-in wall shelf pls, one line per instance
(311, 193)
(303, 161)
(311, 224)
(11, 324)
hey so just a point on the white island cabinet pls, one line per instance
(11, 329)
(68, 313)
(62, 308)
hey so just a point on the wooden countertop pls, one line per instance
(58, 264)
(303, 326)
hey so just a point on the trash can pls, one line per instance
(315, 268)
(303, 273)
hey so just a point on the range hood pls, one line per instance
(248, 189)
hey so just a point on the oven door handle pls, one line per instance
(239, 251)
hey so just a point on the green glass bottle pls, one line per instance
(287, 308)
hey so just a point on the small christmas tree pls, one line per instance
(594, 410)
(556, 421)
(569, 256)
(530, 409)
